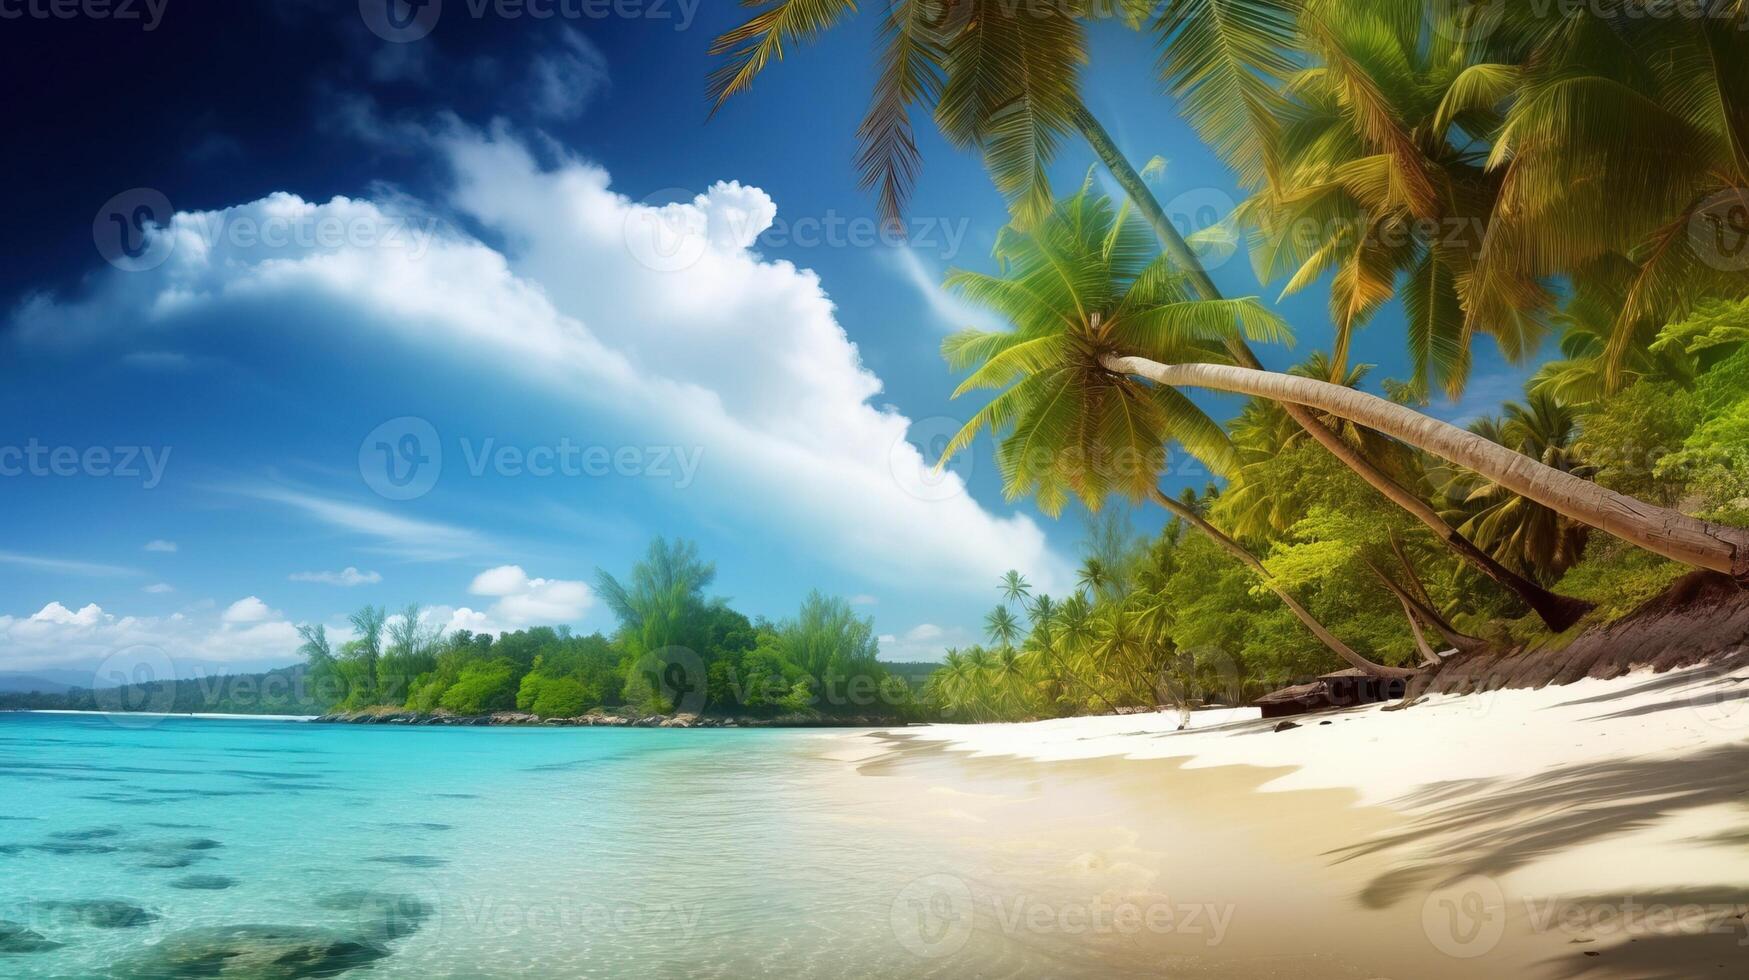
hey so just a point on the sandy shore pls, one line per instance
(1597, 829)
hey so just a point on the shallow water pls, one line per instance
(507, 852)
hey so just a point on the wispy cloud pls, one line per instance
(63, 566)
(404, 537)
(159, 544)
(348, 576)
(952, 312)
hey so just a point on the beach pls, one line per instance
(1593, 829)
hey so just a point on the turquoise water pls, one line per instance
(390, 851)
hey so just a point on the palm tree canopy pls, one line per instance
(1083, 284)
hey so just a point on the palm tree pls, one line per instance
(1516, 530)
(1621, 153)
(1001, 627)
(1085, 282)
(1015, 587)
(1702, 544)
(1004, 80)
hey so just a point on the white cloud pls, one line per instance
(925, 641)
(160, 588)
(159, 544)
(522, 601)
(405, 537)
(57, 635)
(347, 577)
(864, 600)
(951, 312)
(248, 610)
(722, 351)
(565, 78)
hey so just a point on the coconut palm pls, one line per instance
(1002, 78)
(1001, 627)
(1015, 587)
(1690, 540)
(1516, 530)
(1085, 283)
(1621, 151)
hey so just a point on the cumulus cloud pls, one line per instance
(248, 610)
(58, 635)
(346, 577)
(661, 320)
(521, 602)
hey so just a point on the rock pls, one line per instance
(386, 916)
(100, 913)
(1284, 726)
(95, 833)
(253, 952)
(204, 883)
(15, 938)
(410, 860)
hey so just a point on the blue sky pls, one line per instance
(518, 244)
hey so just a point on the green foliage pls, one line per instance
(482, 688)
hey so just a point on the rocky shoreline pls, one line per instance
(598, 719)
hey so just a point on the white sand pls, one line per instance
(1382, 755)
(1596, 829)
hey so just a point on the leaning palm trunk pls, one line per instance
(1237, 550)
(1427, 613)
(1557, 611)
(1422, 647)
(1670, 533)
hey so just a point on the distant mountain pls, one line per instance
(44, 681)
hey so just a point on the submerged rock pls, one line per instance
(100, 913)
(65, 847)
(95, 833)
(385, 916)
(410, 860)
(251, 952)
(15, 938)
(204, 883)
